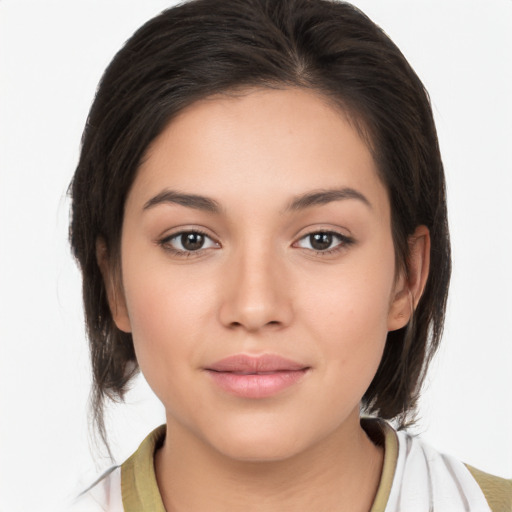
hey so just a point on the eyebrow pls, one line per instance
(321, 197)
(301, 202)
(189, 200)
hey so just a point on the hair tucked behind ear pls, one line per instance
(207, 47)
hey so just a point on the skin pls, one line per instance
(258, 287)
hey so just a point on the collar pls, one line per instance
(140, 490)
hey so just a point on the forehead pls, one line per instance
(264, 143)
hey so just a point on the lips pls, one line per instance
(256, 376)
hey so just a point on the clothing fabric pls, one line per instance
(103, 495)
(415, 477)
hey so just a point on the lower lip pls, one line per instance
(256, 385)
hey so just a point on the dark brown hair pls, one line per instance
(207, 47)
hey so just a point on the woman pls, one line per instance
(259, 215)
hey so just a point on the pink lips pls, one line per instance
(256, 376)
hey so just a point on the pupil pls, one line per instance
(192, 241)
(321, 241)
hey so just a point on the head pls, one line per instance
(213, 49)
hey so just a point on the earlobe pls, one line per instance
(409, 287)
(113, 287)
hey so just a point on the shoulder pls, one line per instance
(416, 476)
(131, 487)
(497, 490)
(446, 480)
(139, 486)
(103, 495)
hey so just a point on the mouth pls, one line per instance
(256, 376)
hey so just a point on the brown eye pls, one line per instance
(188, 242)
(324, 241)
(321, 241)
(192, 241)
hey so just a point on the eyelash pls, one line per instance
(165, 243)
(344, 242)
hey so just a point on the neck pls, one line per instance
(340, 473)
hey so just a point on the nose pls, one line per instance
(255, 292)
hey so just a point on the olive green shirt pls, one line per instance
(140, 490)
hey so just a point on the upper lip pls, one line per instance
(265, 363)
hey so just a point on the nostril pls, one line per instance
(238, 325)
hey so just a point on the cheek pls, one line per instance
(350, 314)
(169, 312)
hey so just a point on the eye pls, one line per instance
(324, 241)
(187, 242)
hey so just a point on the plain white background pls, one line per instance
(52, 54)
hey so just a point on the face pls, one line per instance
(258, 272)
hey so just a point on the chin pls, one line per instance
(260, 441)
(258, 450)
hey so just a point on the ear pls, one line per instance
(113, 286)
(410, 285)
